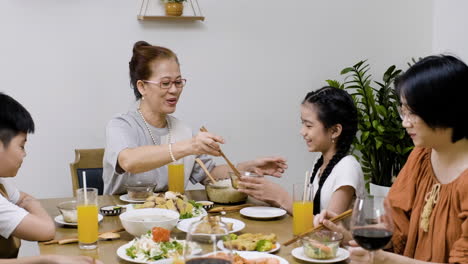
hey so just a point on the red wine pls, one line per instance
(208, 261)
(372, 238)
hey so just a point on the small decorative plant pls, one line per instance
(382, 146)
(174, 7)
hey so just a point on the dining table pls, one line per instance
(106, 251)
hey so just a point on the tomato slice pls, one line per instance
(160, 234)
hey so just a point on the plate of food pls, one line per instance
(59, 220)
(174, 201)
(251, 242)
(145, 250)
(233, 225)
(262, 212)
(248, 257)
(341, 254)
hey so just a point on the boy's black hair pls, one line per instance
(14, 119)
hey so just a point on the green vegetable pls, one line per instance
(131, 252)
(231, 236)
(264, 245)
(186, 215)
(195, 204)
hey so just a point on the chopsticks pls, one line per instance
(319, 227)
(228, 208)
(67, 239)
(205, 169)
(233, 168)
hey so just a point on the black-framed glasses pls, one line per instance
(167, 84)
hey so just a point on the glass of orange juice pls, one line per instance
(87, 208)
(176, 178)
(303, 208)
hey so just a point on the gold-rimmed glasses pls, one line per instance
(167, 84)
(407, 114)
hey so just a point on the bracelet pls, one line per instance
(170, 152)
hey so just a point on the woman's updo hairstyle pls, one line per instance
(143, 55)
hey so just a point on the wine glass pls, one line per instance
(371, 223)
(203, 240)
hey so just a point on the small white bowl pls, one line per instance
(139, 222)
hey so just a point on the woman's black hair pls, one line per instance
(14, 119)
(334, 106)
(436, 89)
(140, 64)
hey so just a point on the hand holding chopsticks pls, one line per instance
(319, 227)
(233, 168)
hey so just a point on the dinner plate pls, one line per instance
(341, 255)
(122, 253)
(125, 198)
(236, 227)
(262, 212)
(221, 246)
(59, 220)
(254, 255)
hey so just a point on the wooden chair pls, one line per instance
(89, 160)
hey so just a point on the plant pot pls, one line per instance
(378, 190)
(174, 9)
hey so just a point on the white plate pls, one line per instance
(237, 226)
(59, 220)
(254, 255)
(121, 252)
(221, 246)
(341, 255)
(262, 212)
(128, 200)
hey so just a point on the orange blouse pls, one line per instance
(447, 236)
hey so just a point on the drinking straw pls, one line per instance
(304, 193)
(84, 188)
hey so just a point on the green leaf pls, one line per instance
(378, 143)
(346, 70)
(364, 136)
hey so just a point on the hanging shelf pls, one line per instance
(197, 13)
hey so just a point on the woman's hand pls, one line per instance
(358, 255)
(323, 218)
(206, 143)
(274, 166)
(264, 190)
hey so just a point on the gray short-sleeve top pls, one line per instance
(129, 131)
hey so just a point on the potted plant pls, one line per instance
(382, 145)
(174, 7)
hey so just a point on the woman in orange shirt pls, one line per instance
(434, 95)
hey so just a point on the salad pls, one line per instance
(156, 245)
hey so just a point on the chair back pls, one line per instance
(90, 161)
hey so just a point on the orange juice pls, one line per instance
(176, 177)
(303, 216)
(87, 223)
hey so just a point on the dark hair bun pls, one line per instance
(140, 44)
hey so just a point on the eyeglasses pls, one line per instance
(407, 114)
(167, 84)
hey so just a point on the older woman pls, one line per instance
(429, 199)
(143, 141)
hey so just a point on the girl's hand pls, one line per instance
(274, 166)
(358, 255)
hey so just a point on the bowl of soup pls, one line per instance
(222, 192)
(139, 222)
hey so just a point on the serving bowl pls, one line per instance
(223, 192)
(322, 244)
(68, 211)
(139, 191)
(138, 222)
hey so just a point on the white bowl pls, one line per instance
(139, 222)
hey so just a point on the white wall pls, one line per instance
(248, 67)
(450, 25)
